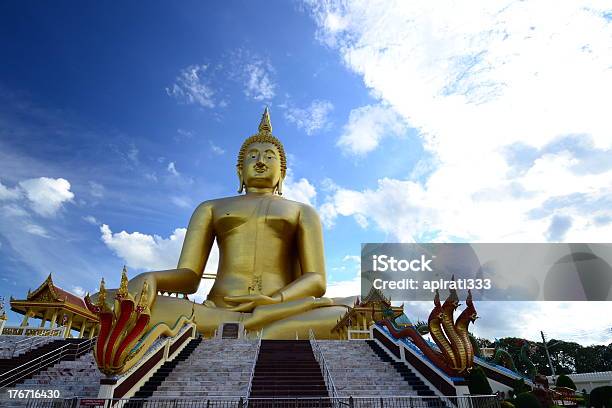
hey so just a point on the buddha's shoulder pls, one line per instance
(295, 204)
(217, 203)
(303, 210)
(222, 203)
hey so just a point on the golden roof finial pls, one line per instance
(144, 298)
(123, 287)
(102, 294)
(265, 126)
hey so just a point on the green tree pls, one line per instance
(519, 387)
(565, 381)
(601, 397)
(567, 357)
(526, 400)
(478, 383)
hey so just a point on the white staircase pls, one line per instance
(14, 346)
(215, 368)
(80, 377)
(357, 371)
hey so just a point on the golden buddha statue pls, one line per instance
(271, 272)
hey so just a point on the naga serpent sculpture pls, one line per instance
(531, 369)
(448, 309)
(466, 317)
(503, 358)
(456, 355)
(120, 343)
(524, 366)
(435, 330)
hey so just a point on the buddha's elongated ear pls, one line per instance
(279, 186)
(240, 179)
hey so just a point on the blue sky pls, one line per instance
(402, 123)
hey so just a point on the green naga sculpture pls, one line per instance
(503, 358)
(532, 371)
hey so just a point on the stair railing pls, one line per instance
(259, 336)
(329, 381)
(27, 344)
(18, 373)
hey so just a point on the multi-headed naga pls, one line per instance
(455, 353)
(123, 338)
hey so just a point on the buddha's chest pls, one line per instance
(253, 216)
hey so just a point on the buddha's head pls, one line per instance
(262, 163)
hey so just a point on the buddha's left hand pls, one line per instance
(249, 302)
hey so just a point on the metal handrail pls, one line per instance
(13, 346)
(321, 360)
(46, 360)
(30, 343)
(259, 336)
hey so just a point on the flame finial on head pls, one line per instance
(265, 126)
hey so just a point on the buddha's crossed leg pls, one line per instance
(278, 321)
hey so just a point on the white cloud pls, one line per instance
(312, 118)
(367, 126)
(345, 288)
(258, 80)
(353, 258)
(172, 169)
(300, 190)
(193, 87)
(202, 292)
(143, 251)
(13, 210)
(473, 81)
(211, 268)
(152, 252)
(36, 230)
(91, 220)
(558, 320)
(183, 202)
(96, 189)
(79, 291)
(132, 154)
(215, 149)
(9, 193)
(47, 195)
(254, 72)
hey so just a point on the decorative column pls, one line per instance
(53, 319)
(82, 329)
(24, 322)
(68, 327)
(92, 331)
(3, 319)
(43, 321)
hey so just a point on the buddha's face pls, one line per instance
(261, 167)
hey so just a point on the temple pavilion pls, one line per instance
(56, 307)
(356, 321)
